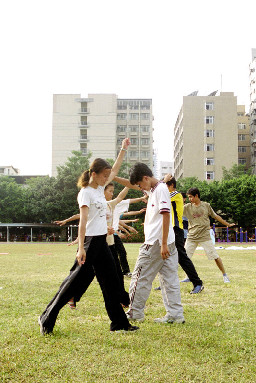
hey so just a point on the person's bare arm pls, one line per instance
(165, 231)
(119, 160)
(125, 182)
(133, 212)
(81, 255)
(64, 221)
(221, 220)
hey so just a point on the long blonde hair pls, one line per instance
(97, 166)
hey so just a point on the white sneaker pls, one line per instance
(169, 319)
(131, 319)
(225, 279)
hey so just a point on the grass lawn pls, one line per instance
(216, 344)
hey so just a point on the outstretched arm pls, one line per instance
(119, 160)
(133, 212)
(221, 220)
(125, 182)
(135, 200)
(64, 221)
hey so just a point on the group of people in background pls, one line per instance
(101, 252)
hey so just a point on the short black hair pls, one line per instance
(138, 171)
(171, 182)
(184, 195)
(194, 192)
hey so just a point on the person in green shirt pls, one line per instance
(198, 213)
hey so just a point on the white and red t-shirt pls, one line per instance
(159, 201)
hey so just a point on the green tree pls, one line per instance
(11, 200)
(42, 200)
(235, 171)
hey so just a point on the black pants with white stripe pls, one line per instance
(99, 260)
(184, 261)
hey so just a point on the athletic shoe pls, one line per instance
(197, 289)
(157, 288)
(225, 279)
(130, 328)
(134, 319)
(186, 280)
(168, 319)
(43, 330)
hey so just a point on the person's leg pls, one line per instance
(147, 266)
(125, 300)
(211, 253)
(105, 270)
(120, 249)
(170, 287)
(67, 290)
(184, 261)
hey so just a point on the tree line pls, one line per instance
(46, 199)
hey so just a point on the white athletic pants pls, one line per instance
(148, 264)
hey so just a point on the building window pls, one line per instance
(209, 133)
(144, 128)
(121, 128)
(121, 116)
(134, 116)
(241, 137)
(134, 141)
(83, 149)
(209, 106)
(144, 154)
(133, 128)
(209, 161)
(133, 154)
(209, 147)
(242, 161)
(209, 175)
(240, 114)
(241, 126)
(241, 149)
(145, 116)
(144, 141)
(209, 119)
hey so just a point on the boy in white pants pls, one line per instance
(158, 254)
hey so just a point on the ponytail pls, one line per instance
(84, 179)
(97, 167)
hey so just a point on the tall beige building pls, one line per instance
(98, 124)
(252, 68)
(207, 136)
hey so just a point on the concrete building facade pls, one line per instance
(252, 78)
(98, 124)
(206, 136)
(9, 171)
(165, 167)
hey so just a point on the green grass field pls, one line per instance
(216, 344)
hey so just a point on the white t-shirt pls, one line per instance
(120, 208)
(97, 204)
(159, 201)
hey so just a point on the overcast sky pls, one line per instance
(160, 49)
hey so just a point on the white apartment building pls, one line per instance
(98, 124)
(252, 78)
(8, 171)
(165, 167)
(209, 133)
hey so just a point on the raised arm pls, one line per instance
(121, 195)
(119, 160)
